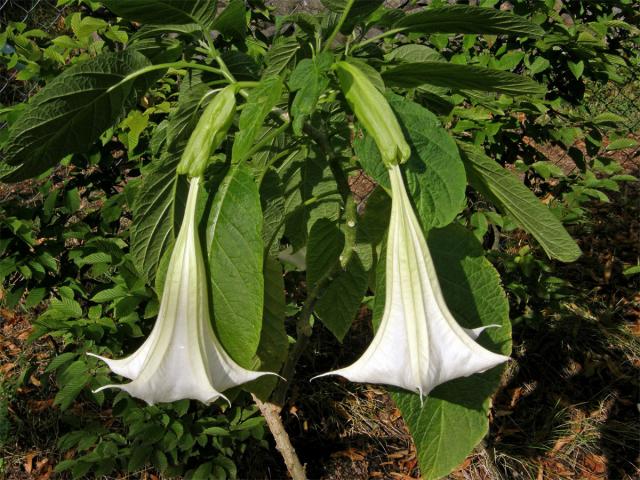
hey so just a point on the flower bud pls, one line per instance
(209, 133)
(374, 112)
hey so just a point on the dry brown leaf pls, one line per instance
(350, 453)
(28, 461)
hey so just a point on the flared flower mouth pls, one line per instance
(418, 344)
(182, 358)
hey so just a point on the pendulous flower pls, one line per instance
(182, 358)
(419, 344)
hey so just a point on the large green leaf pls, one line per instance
(232, 22)
(260, 102)
(310, 192)
(326, 242)
(157, 213)
(164, 12)
(272, 200)
(467, 19)
(341, 297)
(235, 250)
(456, 76)
(510, 195)
(435, 174)
(340, 301)
(73, 110)
(279, 55)
(274, 343)
(453, 418)
(309, 79)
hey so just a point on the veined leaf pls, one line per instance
(467, 19)
(512, 196)
(235, 251)
(73, 110)
(260, 102)
(157, 213)
(279, 55)
(309, 80)
(164, 12)
(456, 76)
(310, 193)
(274, 344)
(326, 242)
(341, 300)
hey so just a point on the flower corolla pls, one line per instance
(182, 358)
(418, 344)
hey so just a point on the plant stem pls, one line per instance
(338, 26)
(374, 39)
(164, 66)
(271, 414)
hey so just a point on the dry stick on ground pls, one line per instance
(271, 413)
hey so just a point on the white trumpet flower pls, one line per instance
(419, 344)
(182, 358)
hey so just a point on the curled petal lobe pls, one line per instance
(419, 344)
(182, 358)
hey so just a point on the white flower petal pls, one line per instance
(418, 345)
(182, 358)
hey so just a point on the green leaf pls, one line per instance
(235, 249)
(60, 360)
(164, 12)
(340, 301)
(35, 296)
(576, 68)
(272, 200)
(467, 19)
(622, 143)
(279, 55)
(274, 343)
(326, 242)
(509, 194)
(453, 418)
(435, 173)
(72, 381)
(260, 102)
(232, 21)
(454, 76)
(311, 193)
(415, 53)
(309, 80)
(73, 110)
(157, 214)
(359, 10)
(139, 457)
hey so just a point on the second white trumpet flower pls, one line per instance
(418, 344)
(182, 358)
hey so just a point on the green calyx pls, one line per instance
(373, 111)
(209, 133)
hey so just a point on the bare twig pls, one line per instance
(271, 413)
